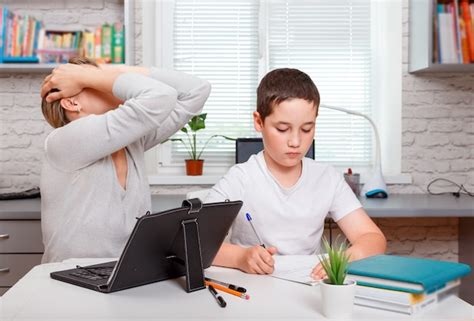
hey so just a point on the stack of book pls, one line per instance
(453, 32)
(18, 36)
(106, 44)
(404, 284)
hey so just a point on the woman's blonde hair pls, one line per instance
(54, 114)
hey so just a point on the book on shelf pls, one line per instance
(453, 32)
(403, 302)
(98, 43)
(58, 46)
(118, 43)
(88, 44)
(106, 43)
(407, 274)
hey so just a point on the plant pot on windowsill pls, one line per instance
(195, 164)
(194, 167)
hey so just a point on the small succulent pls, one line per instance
(336, 262)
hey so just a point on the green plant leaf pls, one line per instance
(207, 142)
(198, 122)
(335, 265)
(182, 142)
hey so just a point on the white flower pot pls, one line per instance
(338, 300)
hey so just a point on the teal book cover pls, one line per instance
(408, 274)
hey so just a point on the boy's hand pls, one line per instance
(257, 260)
(318, 272)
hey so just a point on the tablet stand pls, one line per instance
(192, 248)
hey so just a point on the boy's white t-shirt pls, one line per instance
(290, 219)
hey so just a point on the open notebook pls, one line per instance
(295, 268)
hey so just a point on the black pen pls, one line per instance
(219, 299)
(228, 285)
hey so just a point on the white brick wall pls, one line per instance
(438, 128)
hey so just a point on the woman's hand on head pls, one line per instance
(68, 79)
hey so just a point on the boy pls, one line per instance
(288, 195)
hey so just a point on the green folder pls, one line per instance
(408, 274)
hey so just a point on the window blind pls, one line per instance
(328, 39)
(218, 41)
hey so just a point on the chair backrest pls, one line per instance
(201, 194)
(246, 147)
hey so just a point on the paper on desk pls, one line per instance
(295, 268)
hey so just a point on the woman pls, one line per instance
(93, 181)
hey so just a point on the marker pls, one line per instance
(228, 285)
(227, 290)
(218, 298)
(249, 218)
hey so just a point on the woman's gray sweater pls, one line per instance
(85, 212)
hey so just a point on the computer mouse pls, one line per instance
(376, 194)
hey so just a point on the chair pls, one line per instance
(246, 147)
(201, 194)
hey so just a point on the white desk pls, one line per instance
(38, 297)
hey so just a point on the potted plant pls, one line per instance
(336, 291)
(195, 164)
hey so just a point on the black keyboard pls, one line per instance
(95, 274)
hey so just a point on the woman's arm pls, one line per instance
(148, 103)
(192, 94)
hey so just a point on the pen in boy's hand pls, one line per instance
(218, 298)
(249, 218)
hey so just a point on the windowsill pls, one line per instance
(212, 179)
(164, 179)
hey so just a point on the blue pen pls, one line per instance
(249, 218)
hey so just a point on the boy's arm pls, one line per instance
(365, 237)
(255, 259)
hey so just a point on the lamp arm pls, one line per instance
(377, 137)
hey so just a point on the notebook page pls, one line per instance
(295, 268)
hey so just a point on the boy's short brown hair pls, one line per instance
(283, 84)
(53, 112)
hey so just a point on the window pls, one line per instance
(234, 43)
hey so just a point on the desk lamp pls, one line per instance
(375, 186)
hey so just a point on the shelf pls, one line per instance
(421, 41)
(128, 7)
(457, 68)
(26, 68)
